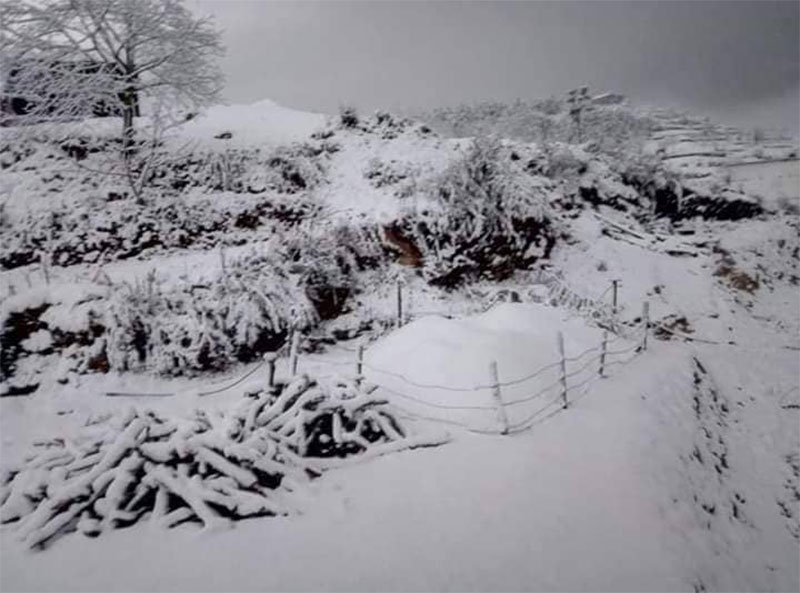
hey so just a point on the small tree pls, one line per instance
(579, 101)
(69, 59)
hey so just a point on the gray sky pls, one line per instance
(738, 61)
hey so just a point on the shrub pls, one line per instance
(246, 311)
(328, 260)
(348, 116)
(106, 232)
(287, 169)
(489, 219)
(610, 127)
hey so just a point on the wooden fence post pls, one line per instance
(223, 265)
(498, 398)
(270, 358)
(45, 263)
(294, 351)
(563, 369)
(399, 304)
(646, 322)
(603, 353)
(360, 364)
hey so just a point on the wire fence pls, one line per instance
(571, 374)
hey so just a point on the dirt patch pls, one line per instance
(670, 325)
(737, 279)
(19, 326)
(733, 276)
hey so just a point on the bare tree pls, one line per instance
(68, 59)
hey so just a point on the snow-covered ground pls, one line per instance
(603, 496)
(774, 181)
(678, 470)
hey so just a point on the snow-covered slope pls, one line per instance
(676, 471)
(263, 123)
(662, 477)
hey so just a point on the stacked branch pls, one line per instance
(213, 469)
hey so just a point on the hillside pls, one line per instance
(673, 466)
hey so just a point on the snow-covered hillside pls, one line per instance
(675, 464)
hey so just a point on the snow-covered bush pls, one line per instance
(44, 327)
(386, 125)
(610, 127)
(211, 469)
(330, 260)
(98, 231)
(381, 173)
(348, 116)
(246, 311)
(490, 217)
(382, 124)
(665, 194)
(286, 169)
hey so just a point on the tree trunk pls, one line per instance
(127, 123)
(129, 101)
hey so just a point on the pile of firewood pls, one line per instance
(213, 468)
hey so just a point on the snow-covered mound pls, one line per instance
(258, 124)
(435, 366)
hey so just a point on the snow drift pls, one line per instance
(440, 368)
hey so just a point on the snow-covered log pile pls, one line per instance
(212, 469)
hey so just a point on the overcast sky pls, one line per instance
(738, 61)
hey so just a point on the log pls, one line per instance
(180, 487)
(242, 477)
(78, 488)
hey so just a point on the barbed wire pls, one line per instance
(343, 348)
(335, 363)
(605, 292)
(462, 389)
(584, 367)
(522, 423)
(139, 394)
(582, 354)
(618, 362)
(590, 379)
(410, 415)
(432, 404)
(532, 397)
(538, 419)
(235, 383)
(623, 351)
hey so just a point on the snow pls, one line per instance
(772, 181)
(263, 123)
(349, 194)
(605, 495)
(576, 504)
(456, 355)
(457, 517)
